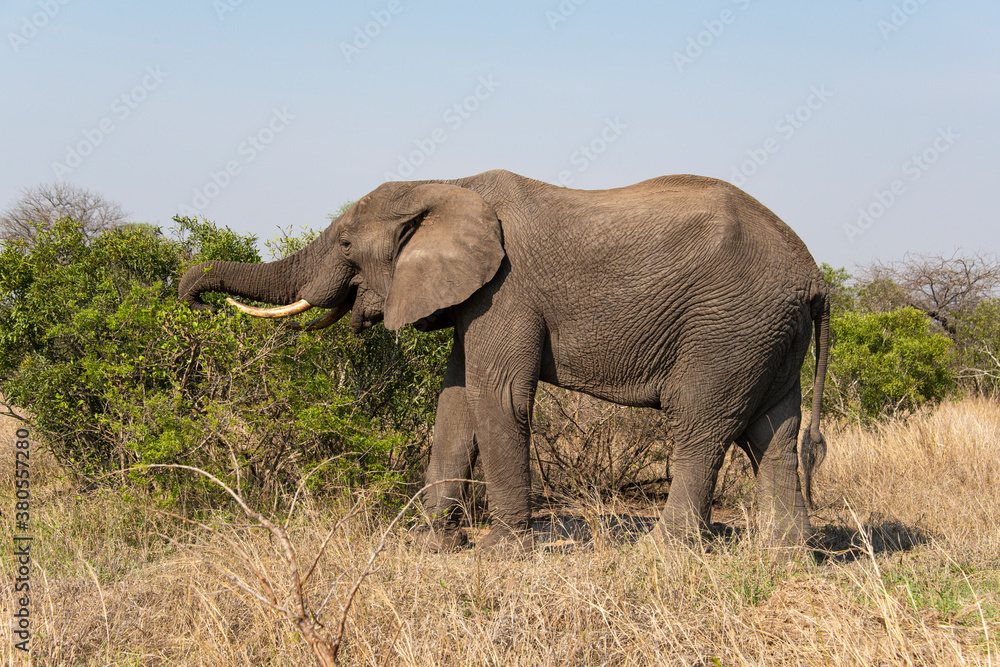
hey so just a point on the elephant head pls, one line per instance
(402, 253)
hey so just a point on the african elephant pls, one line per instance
(681, 293)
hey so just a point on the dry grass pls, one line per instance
(910, 575)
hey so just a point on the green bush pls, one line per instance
(116, 372)
(842, 294)
(978, 337)
(886, 363)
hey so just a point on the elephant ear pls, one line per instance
(454, 250)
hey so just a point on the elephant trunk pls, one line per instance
(297, 283)
(280, 282)
(274, 282)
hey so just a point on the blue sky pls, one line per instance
(869, 126)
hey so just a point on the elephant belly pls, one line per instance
(602, 369)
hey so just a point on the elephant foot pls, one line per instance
(684, 530)
(781, 536)
(439, 540)
(788, 528)
(503, 542)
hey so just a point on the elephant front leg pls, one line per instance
(453, 456)
(502, 378)
(503, 420)
(502, 367)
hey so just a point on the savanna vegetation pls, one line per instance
(290, 541)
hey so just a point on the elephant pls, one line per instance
(682, 293)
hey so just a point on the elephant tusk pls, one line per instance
(321, 323)
(279, 311)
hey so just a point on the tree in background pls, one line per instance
(41, 207)
(959, 293)
(904, 332)
(946, 288)
(979, 332)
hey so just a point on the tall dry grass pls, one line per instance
(937, 472)
(908, 574)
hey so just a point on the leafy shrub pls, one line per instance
(116, 372)
(63, 300)
(842, 294)
(205, 242)
(884, 363)
(979, 339)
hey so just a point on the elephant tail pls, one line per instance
(813, 448)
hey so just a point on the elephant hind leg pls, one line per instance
(698, 455)
(771, 441)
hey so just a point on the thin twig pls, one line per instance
(325, 651)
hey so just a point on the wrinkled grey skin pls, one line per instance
(681, 293)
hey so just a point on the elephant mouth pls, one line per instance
(362, 317)
(333, 316)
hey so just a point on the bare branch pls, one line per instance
(42, 206)
(309, 625)
(242, 585)
(302, 484)
(322, 547)
(986, 372)
(261, 577)
(942, 286)
(325, 652)
(369, 566)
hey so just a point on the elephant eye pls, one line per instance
(345, 245)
